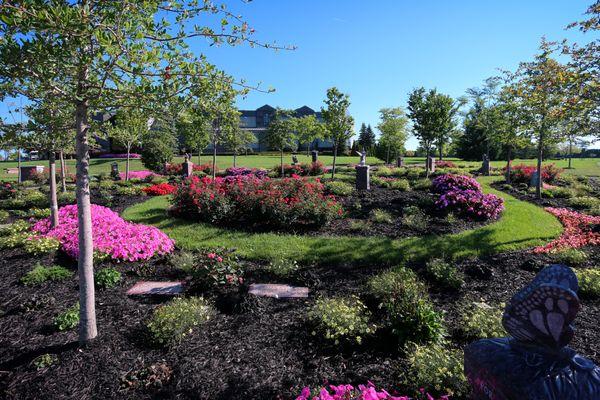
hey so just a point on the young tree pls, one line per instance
(421, 112)
(238, 140)
(131, 125)
(88, 53)
(195, 129)
(281, 134)
(366, 137)
(308, 129)
(338, 122)
(394, 131)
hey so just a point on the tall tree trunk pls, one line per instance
(538, 183)
(234, 158)
(63, 172)
(335, 147)
(427, 153)
(214, 161)
(308, 149)
(570, 151)
(387, 154)
(127, 164)
(18, 164)
(508, 166)
(441, 151)
(199, 153)
(52, 195)
(85, 263)
(281, 163)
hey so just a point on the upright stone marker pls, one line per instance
(363, 177)
(430, 163)
(485, 166)
(114, 171)
(400, 162)
(28, 172)
(315, 156)
(294, 159)
(534, 178)
(535, 363)
(187, 167)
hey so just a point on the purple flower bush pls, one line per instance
(362, 392)
(243, 171)
(112, 235)
(120, 155)
(447, 182)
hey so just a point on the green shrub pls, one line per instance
(32, 213)
(383, 171)
(589, 282)
(437, 368)
(216, 268)
(561, 193)
(16, 227)
(39, 246)
(358, 225)
(409, 312)
(283, 267)
(381, 216)
(34, 198)
(444, 273)
(400, 184)
(481, 321)
(339, 188)
(4, 216)
(130, 191)
(41, 274)
(584, 202)
(171, 322)
(422, 184)
(105, 184)
(107, 278)
(66, 198)
(44, 361)
(414, 218)
(15, 240)
(157, 149)
(414, 174)
(570, 256)
(183, 260)
(341, 319)
(68, 319)
(11, 204)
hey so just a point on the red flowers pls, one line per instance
(522, 173)
(161, 189)
(578, 230)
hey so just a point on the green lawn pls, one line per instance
(522, 225)
(583, 166)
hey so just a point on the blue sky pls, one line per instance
(377, 51)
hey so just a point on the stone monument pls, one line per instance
(535, 362)
(114, 171)
(430, 163)
(485, 166)
(315, 156)
(400, 162)
(363, 172)
(294, 159)
(28, 172)
(534, 178)
(187, 167)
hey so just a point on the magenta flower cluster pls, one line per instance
(463, 196)
(112, 235)
(362, 392)
(243, 171)
(447, 182)
(141, 175)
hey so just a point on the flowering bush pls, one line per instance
(471, 204)
(112, 236)
(303, 169)
(243, 171)
(578, 231)
(141, 175)
(444, 164)
(7, 190)
(177, 169)
(448, 182)
(216, 268)
(362, 392)
(120, 155)
(248, 199)
(341, 319)
(160, 189)
(522, 173)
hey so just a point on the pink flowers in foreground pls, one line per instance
(363, 392)
(578, 230)
(119, 239)
(143, 174)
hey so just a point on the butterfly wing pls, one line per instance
(556, 274)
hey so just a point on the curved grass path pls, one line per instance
(522, 225)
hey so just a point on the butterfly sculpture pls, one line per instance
(542, 312)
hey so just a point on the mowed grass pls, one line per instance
(581, 166)
(522, 225)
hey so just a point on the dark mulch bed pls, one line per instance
(259, 349)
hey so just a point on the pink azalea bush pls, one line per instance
(577, 233)
(471, 204)
(112, 235)
(362, 392)
(141, 175)
(447, 182)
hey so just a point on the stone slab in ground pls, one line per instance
(167, 288)
(278, 290)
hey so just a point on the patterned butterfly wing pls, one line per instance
(557, 274)
(544, 316)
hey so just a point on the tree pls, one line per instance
(420, 111)
(238, 140)
(88, 53)
(540, 88)
(338, 122)
(195, 129)
(281, 134)
(366, 137)
(394, 131)
(131, 125)
(474, 141)
(308, 129)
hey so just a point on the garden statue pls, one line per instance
(400, 162)
(535, 363)
(315, 156)
(363, 173)
(187, 167)
(485, 167)
(430, 163)
(114, 171)
(363, 157)
(294, 159)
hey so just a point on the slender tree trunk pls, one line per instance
(85, 263)
(214, 160)
(441, 150)
(18, 164)
(308, 149)
(127, 164)
(52, 195)
(281, 163)
(570, 151)
(387, 155)
(234, 159)
(538, 183)
(335, 147)
(199, 153)
(427, 153)
(63, 173)
(508, 167)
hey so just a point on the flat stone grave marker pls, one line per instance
(278, 291)
(149, 288)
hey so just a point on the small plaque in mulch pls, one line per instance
(278, 291)
(149, 288)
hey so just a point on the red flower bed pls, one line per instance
(247, 199)
(445, 164)
(177, 169)
(522, 173)
(578, 231)
(303, 169)
(161, 189)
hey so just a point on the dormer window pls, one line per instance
(266, 119)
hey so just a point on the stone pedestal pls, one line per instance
(187, 169)
(114, 171)
(363, 177)
(400, 162)
(27, 173)
(430, 164)
(315, 155)
(485, 166)
(294, 159)
(534, 178)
